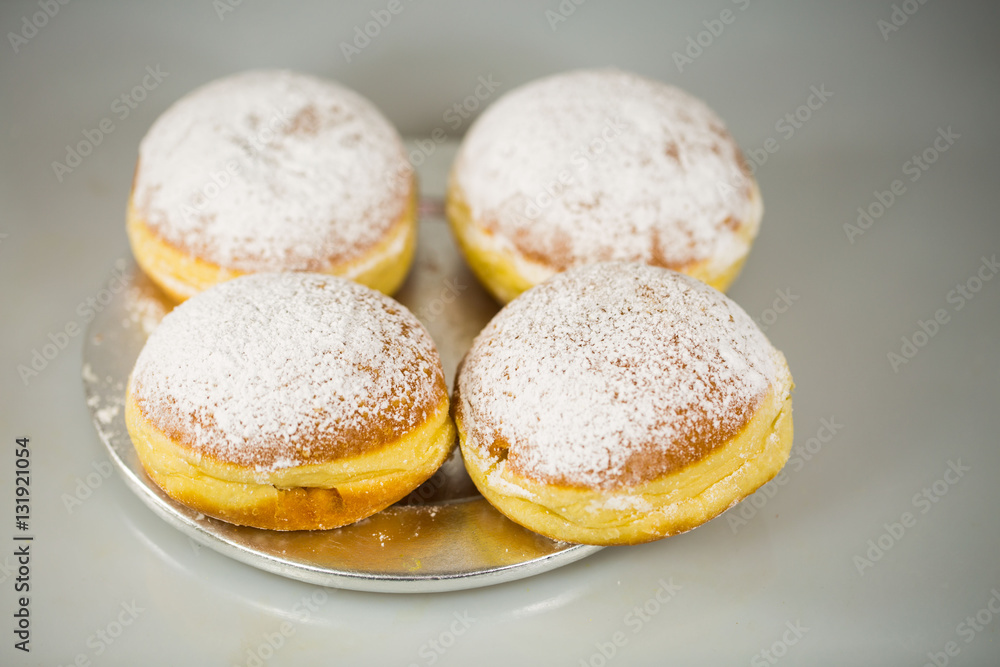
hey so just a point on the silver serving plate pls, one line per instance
(444, 536)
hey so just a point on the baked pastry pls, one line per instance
(272, 171)
(293, 401)
(619, 403)
(598, 165)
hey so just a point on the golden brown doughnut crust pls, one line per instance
(352, 488)
(181, 275)
(289, 401)
(598, 165)
(620, 403)
(669, 505)
(272, 170)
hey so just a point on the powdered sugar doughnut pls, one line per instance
(598, 165)
(272, 171)
(620, 403)
(292, 401)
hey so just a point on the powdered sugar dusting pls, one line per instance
(622, 503)
(597, 165)
(613, 374)
(272, 170)
(145, 304)
(107, 414)
(278, 370)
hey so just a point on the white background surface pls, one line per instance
(793, 561)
